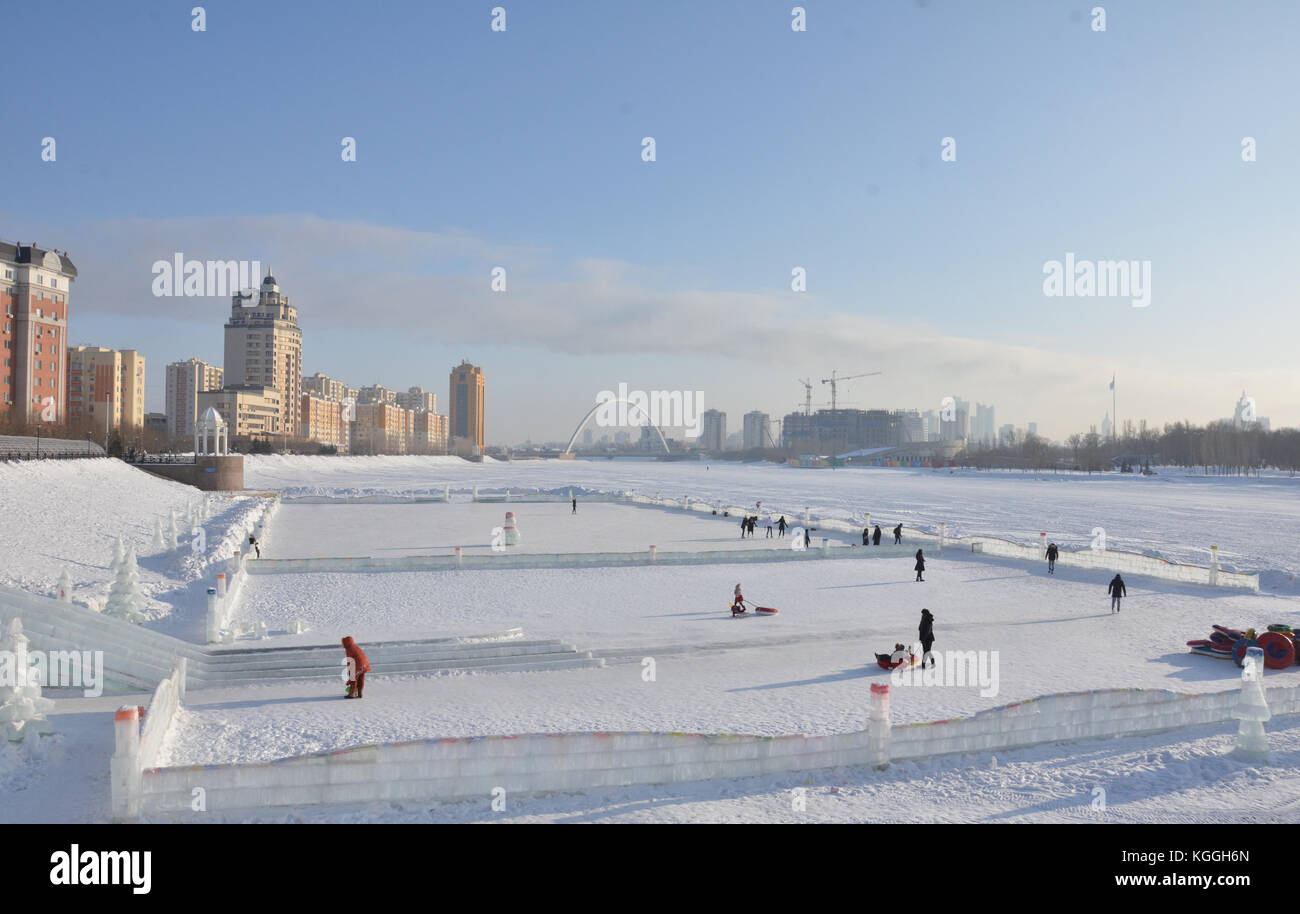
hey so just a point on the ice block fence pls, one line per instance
(469, 768)
(231, 574)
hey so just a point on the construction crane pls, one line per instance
(834, 378)
(807, 403)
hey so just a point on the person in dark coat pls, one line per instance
(875, 536)
(252, 541)
(866, 536)
(920, 565)
(575, 505)
(1052, 553)
(1117, 590)
(358, 667)
(926, 631)
(898, 534)
(780, 526)
(807, 539)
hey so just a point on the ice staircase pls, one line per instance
(506, 652)
(137, 659)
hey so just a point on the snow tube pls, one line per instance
(1234, 634)
(1279, 650)
(765, 610)
(1278, 627)
(1239, 650)
(887, 661)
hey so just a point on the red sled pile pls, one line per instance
(1278, 645)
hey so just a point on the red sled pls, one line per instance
(887, 661)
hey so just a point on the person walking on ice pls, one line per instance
(252, 541)
(575, 505)
(780, 525)
(866, 536)
(920, 565)
(898, 534)
(926, 631)
(1052, 553)
(1117, 590)
(769, 527)
(875, 536)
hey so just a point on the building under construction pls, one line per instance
(838, 431)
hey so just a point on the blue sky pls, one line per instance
(775, 149)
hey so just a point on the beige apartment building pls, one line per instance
(466, 407)
(327, 388)
(326, 421)
(381, 428)
(264, 349)
(252, 411)
(34, 287)
(430, 434)
(105, 387)
(417, 398)
(185, 381)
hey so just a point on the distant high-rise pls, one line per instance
(713, 436)
(34, 287)
(465, 409)
(417, 398)
(264, 349)
(757, 432)
(185, 381)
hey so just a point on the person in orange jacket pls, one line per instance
(358, 667)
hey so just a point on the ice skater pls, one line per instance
(358, 667)
(1117, 591)
(780, 526)
(926, 631)
(769, 528)
(898, 534)
(1052, 553)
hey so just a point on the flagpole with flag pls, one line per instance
(1114, 414)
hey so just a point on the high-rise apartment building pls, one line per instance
(34, 287)
(185, 381)
(325, 421)
(757, 431)
(264, 349)
(466, 405)
(105, 387)
(713, 435)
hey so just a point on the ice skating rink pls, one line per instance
(428, 528)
